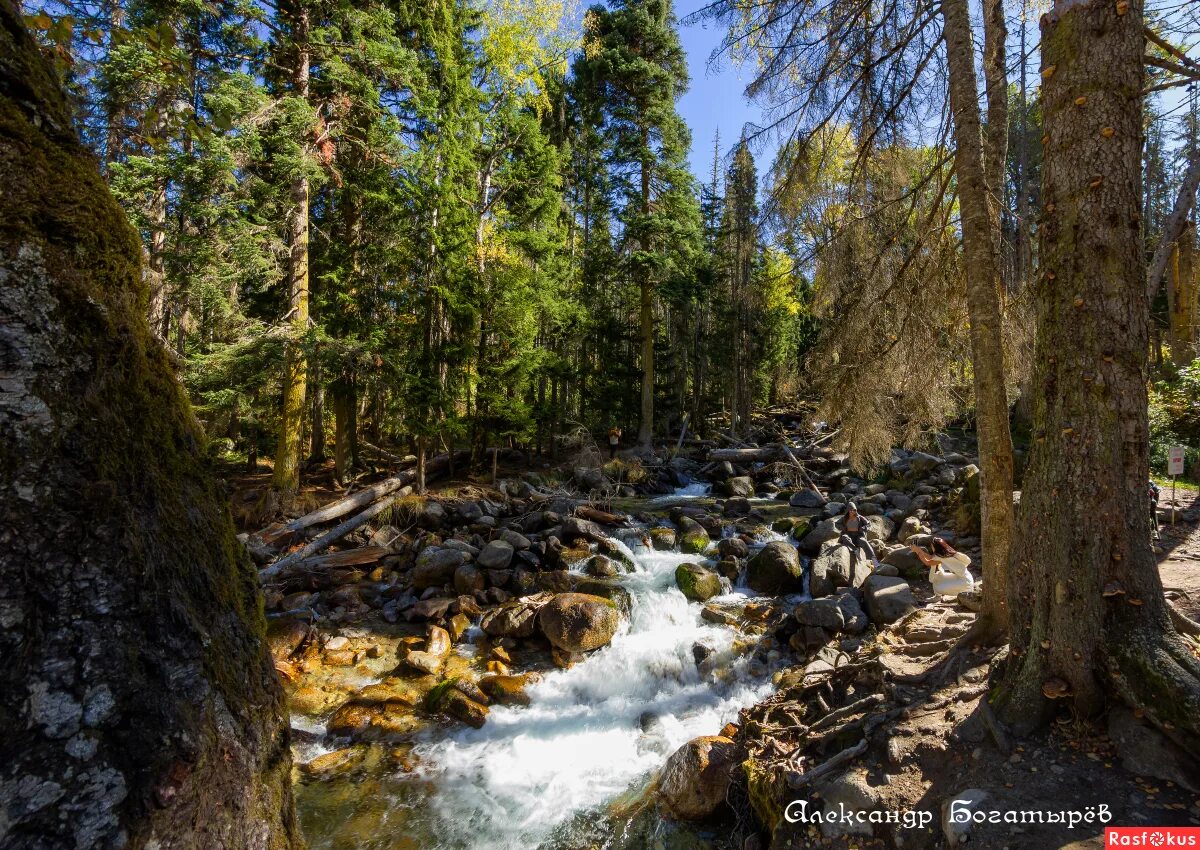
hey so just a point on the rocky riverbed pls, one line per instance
(515, 666)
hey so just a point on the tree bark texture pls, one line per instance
(981, 254)
(138, 699)
(1088, 613)
(286, 476)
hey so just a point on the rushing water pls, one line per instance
(590, 734)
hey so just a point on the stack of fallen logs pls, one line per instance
(370, 502)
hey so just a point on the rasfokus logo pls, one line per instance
(1152, 836)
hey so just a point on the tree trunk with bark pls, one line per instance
(646, 326)
(140, 703)
(981, 254)
(1088, 613)
(316, 454)
(286, 477)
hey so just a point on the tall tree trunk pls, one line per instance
(981, 254)
(1088, 612)
(317, 431)
(286, 478)
(995, 75)
(646, 322)
(345, 427)
(140, 701)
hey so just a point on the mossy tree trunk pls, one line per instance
(286, 478)
(646, 313)
(982, 261)
(1088, 613)
(139, 701)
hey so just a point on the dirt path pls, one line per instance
(1179, 562)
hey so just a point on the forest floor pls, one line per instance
(1179, 563)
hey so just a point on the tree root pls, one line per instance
(1160, 675)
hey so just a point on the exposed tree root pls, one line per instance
(1159, 674)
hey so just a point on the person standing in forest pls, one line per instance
(614, 441)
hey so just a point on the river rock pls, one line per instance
(693, 539)
(733, 547)
(697, 582)
(740, 485)
(736, 506)
(806, 499)
(818, 535)
(425, 662)
(497, 555)
(432, 515)
(831, 569)
(907, 562)
(469, 578)
(516, 619)
(825, 613)
(601, 566)
(855, 620)
(515, 539)
(695, 779)
(578, 622)
(461, 707)
(662, 538)
(470, 512)
(436, 566)
(776, 569)
(888, 599)
(508, 690)
(609, 589)
(337, 763)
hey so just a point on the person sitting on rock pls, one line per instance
(949, 571)
(853, 527)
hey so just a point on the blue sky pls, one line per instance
(715, 99)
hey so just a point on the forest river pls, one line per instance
(560, 771)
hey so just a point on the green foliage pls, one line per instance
(1175, 417)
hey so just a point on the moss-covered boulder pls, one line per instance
(695, 779)
(693, 539)
(662, 538)
(578, 622)
(697, 582)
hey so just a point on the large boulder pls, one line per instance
(740, 485)
(696, 777)
(818, 535)
(693, 539)
(888, 598)
(824, 613)
(578, 622)
(907, 562)
(806, 499)
(697, 582)
(831, 569)
(776, 569)
(733, 547)
(496, 555)
(436, 566)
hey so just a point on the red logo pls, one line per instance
(1152, 836)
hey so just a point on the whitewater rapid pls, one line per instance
(593, 731)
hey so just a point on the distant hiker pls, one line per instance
(948, 568)
(1153, 510)
(614, 440)
(854, 532)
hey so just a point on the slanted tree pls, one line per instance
(141, 701)
(1089, 620)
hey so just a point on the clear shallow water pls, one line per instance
(589, 735)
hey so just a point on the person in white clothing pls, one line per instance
(949, 571)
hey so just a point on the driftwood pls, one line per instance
(371, 553)
(766, 453)
(602, 517)
(277, 532)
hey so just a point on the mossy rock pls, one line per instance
(662, 538)
(761, 783)
(693, 539)
(697, 582)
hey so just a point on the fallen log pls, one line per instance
(279, 531)
(603, 517)
(328, 539)
(765, 453)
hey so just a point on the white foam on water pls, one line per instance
(581, 741)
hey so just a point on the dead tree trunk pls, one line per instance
(139, 699)
(1088, 613)
(981, 252)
